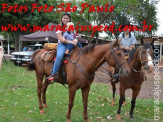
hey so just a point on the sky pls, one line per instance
(160, 17)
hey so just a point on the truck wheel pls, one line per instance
(17, 63)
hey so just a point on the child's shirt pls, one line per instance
(69, 36)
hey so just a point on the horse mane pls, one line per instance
(88, 49)
(131, 55)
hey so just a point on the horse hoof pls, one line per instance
(131, 116)
(68, 120)
(113, 103)
(87, 120)
(42, 111)
(124, 103)
(118, 117)
(45, 105)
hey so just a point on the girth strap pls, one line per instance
(81, 70)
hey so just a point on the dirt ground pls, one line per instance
(146, 89)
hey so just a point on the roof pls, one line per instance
(157, 38)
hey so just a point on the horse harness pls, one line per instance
(91, 76)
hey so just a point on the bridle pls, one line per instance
(142, 62)
(92, 75)
(115, 57)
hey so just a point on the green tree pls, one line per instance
(24, 18)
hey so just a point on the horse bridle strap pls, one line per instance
(115, 58)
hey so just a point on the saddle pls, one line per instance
(50, 56)
(50, 50)
(47, 56)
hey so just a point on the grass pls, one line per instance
(19, 102)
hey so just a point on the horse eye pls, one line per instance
(119, 54)
(143, 52)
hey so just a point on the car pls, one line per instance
(22, 57)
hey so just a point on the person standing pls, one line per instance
(1, 56)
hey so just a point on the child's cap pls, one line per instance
(70, 23)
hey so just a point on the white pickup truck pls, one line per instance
(24, 56)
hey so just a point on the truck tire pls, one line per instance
(17, 64)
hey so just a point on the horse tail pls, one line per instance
(31, 65)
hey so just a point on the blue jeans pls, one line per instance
(71, 46)
(61, 48)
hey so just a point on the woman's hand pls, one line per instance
(74, 43)
(79, 36)
(64, 40)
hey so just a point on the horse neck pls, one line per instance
(135, 62)
(97, 56)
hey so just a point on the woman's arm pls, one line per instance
(63, 40)
(132, 46)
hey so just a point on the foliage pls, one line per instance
(35, 18)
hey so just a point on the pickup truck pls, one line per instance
(24, 56)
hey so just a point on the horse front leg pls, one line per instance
(85, 92)
(114, 89)
(134, 95)
(39, 87)
(121, 100)
(44, 88)
(72, 91)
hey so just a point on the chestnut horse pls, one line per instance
(139, 59)
(80, 71)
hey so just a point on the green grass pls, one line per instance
(19, 102)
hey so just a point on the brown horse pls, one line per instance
(80, 71)
(139, 59)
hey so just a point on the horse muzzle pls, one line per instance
(124, 72)
(149, 68)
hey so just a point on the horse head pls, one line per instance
(116, 58)
(146, 55)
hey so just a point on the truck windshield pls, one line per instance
(33, 48)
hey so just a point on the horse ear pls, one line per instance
(142, 42)
(115, 42)
(152, 41)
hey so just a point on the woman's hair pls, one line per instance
(62, 24)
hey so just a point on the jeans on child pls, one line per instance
(71, 46)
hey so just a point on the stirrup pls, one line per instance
(51, 81)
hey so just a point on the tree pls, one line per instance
(24, 18)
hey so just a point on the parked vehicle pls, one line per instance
(24, 56)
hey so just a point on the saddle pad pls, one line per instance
(47, 56)
(65, 61)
